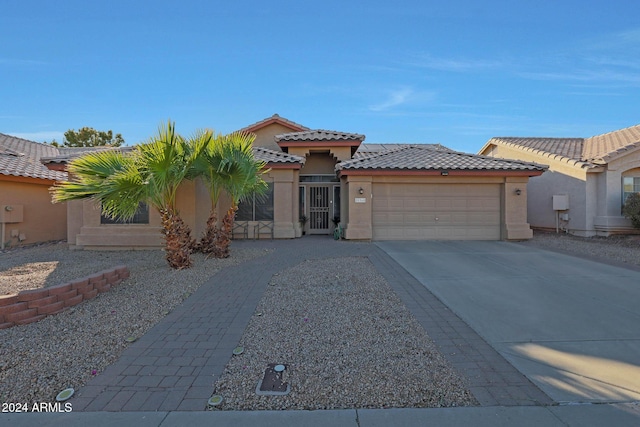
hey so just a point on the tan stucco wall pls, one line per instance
(514, 220)
(86, 231)
(285, 222)
(561, 178)
(609, 219)
(595, 195)
(285, 202)
(337, 152)
(42, 220)
(357, 217)
(265, 136)
(319, 164)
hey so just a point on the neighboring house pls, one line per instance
(589, 177)
(26, 213)
(375, 191)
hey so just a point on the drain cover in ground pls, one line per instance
(272, 383)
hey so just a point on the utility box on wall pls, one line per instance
(10, 214)
(560, 202)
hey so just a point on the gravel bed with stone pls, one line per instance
(347, 341)
(40, 359)
(621, 249)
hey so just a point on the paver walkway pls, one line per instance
(174, 366)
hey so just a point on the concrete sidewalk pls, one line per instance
(619, 415)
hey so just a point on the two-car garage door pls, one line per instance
(436, 211)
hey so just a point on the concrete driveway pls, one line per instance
(571, 325)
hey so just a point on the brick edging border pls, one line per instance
(35, 304)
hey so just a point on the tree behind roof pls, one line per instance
(89, 137)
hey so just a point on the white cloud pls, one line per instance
(394, 98)
(403, 96)
(608, 59)
(454, 64)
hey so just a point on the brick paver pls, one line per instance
(174, 365)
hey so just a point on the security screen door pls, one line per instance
(319, 209)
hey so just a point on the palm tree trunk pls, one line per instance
(224, 237)
(177, 237)
(207, 243)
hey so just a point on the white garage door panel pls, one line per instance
(430, 211)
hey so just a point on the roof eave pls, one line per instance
(295, 127)
(440, 172)
(573, 162)
(321, 143)
(29, 179)
(279, 165)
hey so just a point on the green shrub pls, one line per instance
(631, 209)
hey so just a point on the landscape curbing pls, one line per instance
(33, 305)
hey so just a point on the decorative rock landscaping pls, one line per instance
(32, 305)
(40, 359)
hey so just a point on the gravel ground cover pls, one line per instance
(329, 328)
(624, 249)
(347, 341)
(40, 359)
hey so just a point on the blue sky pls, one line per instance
(453, 72)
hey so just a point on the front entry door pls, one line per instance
(319, 209)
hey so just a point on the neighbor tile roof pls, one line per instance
(319, 135)
(272, 156)
(585, 152)
(569, 149)
(69, 153)
(606, 146)
(421, 157)
(20, 157)
(275, 118)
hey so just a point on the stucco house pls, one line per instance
(375, 191)
(586, 184)
(26, 213)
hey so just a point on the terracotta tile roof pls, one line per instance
(420, 157)
(273, 119)
(20, 157)
(366, 150)
(319, 135)
(584, 152)
(69, 153)
(272, 156)
(567, 149)
(601, 148)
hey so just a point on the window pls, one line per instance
(630, 184)
(140, 217)
(302, 201)
(336, 202)
(257, 207)
(319, 178)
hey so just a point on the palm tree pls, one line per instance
(206, 164)
(152, 174)
(227, 163)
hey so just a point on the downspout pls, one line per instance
(2, 244)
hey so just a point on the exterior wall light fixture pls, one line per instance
(360, 190)
(518, 191)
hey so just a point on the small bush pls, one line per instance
(631, 209)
